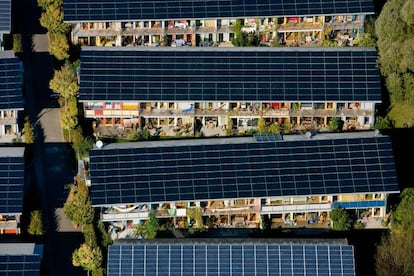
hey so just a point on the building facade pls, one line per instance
(178, 23)
(240, 181)
(11, 98)
(11, 189)
(211, 90)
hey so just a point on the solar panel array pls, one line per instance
(267, 137)
(11, 184)
(5, 16)
(117, 10)
(238, 74)
(10, 84)
(241, 170)
(22, 265)
(230, 259)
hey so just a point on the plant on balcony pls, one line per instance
(274, 128)
(261, 125)
(340, 219)
(195, 215)
(149, 229)
(36, 224)
(287, 127)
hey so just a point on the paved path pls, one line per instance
(52, 166)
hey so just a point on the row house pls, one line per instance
(231, 256)
(187, 23)
(188, 90)
(239, 182)
(5, 21)
(11, 189)
(11, 98)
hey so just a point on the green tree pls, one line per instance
(105, 237)
(88, 257)
(59, 46)
(78, 207)
(382, 123)
(340, 219)
(287, 127)
(395, 33)
(80, 144)
(274, 128)
(150, 228)
(28, 132)
(395, 254)
(261, 125)
(45, 3)
(17, 43)
(365, 40)
(229, 126)
(52, 19)
(65, 82)
(36, 224)
(335, 125)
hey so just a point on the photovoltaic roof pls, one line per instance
(22, 265)
(117, 10)
(226, 258)
(5, 16)
(10, 82)
(220, 169)
(229, 74)
(11, 180)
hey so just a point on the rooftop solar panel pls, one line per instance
(117, 10)
(22, 265)
(224, 258)
(10, 84)
(230, 74)
(5, 16)
(11, 180)
(157, 173)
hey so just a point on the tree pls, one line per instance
(335, 125)
(340, 219)
(28, 132)
(17, 43)
(59, 46)
(52, 19)
(395, 35)
(88, 257)
(36, 224)
(261, 125)
(364, 40)
(274, 128)
(78, 207)
(395, 254)
(150, 228)
(65, 82)
(229, 126)
(45, 3)
(80, 144)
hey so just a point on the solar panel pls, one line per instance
(267, 137)
(11, 182)
(241, 170)
(24, 265)
(5, 16)
(10, 84)
(236, 74)
(115, 10)
(226, 258)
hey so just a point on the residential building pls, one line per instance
(186, 90)
(5, 20)
(11, 188)
(231, 256)
(11, 98)
(145, 23)
(234, 182)
(20, 259)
